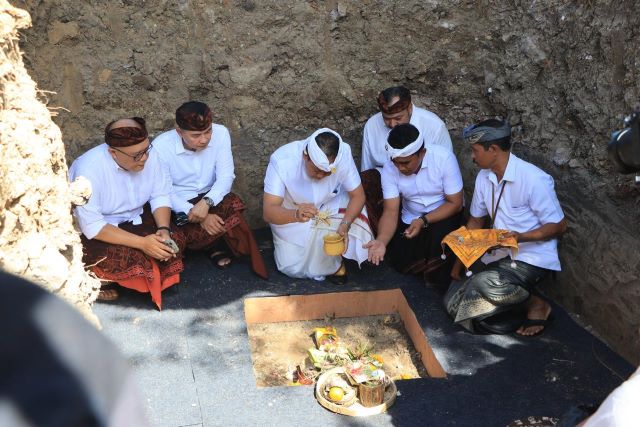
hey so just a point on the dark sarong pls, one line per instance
(130, 267)
(423, 253)
(372, 185)
(498, 288)
(237, 234)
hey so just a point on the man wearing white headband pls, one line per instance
(427, 180)
(395, 108)
(312, 188)
(510, 194)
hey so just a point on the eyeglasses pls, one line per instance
(138, 156)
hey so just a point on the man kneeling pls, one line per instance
(514, 195)
(312, 188)
(427, 179)
(197, 157)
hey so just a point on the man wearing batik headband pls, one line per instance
(425, 180)
(312, 188)
(514, 195)
(197, 156)
(125, 225)
(395, 108)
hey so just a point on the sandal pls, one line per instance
(218, 256)
(108, 294)
(536, 322)
(340, 276)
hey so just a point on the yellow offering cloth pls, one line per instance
(470, 245)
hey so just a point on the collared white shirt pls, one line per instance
(375, 136)
(529, 201)
(286, 176)
(118, 195)
(209, 171)
(424, 191)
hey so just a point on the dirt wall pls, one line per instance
(37, 237)
(563, 72)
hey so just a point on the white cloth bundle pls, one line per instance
(406, 151)
(317, 155)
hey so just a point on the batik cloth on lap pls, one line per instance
(372, 185)
(237, 234)
(131, 267)
(470, 245)
(422, 254)
(500, 286)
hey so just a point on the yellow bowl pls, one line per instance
(333, 244)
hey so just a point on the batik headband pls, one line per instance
(475, 133)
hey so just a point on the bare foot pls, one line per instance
(107, 295)
(537, 309)
(221, 259)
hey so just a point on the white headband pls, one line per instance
(317, 156)
(406, 151)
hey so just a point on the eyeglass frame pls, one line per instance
(138, 156)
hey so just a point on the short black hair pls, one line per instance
(503, 143)
(396, 91)
(402, 135)
(328, 143)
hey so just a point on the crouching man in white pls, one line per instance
(312, 188)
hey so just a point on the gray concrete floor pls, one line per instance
(193, 359)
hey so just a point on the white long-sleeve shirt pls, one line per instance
(375, 135)
(209, 171)
(118, 195)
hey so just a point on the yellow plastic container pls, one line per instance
(333, 244)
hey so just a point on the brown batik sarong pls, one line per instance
(237, 234)
(372, 185)
(131, 267)
(423, 253)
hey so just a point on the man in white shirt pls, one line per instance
(125, 224)
(427, 179)
(197, 156)
(312, 188)
(395, 108)
(514, 195)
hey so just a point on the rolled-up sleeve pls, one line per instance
(389, 181)
(89, 216)
(478, 207)
(544, 201)
(224, 169)
(273, 183)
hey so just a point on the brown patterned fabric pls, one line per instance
(237, 235)
(191, 120)
(372, 186)
(126, 136)
(400, 105)
(130, 267)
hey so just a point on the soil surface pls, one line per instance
(278, 347)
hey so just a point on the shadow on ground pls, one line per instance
(193, 358)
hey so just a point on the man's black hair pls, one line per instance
(503, 144)
(192, 107)
(329, 144)
(402, 135)
(396, 91)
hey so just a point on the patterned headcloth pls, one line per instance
(401, 105)
(194, 115)
(126, 136)
(476, 133)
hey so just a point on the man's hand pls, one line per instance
(213, 224)
(164, 234)
(514, 234)
(306, 211)
(377, 249)
(153, 246)
(198, 212)
(343, 230)
(414, 228)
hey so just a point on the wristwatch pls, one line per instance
(425, 220)
(209, 201)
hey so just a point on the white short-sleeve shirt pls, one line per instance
(375, 135)
(118, 195)
(286, 177)
(529, 201)
(424, 191)
(209, 171)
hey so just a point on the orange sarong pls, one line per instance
(470, 245)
